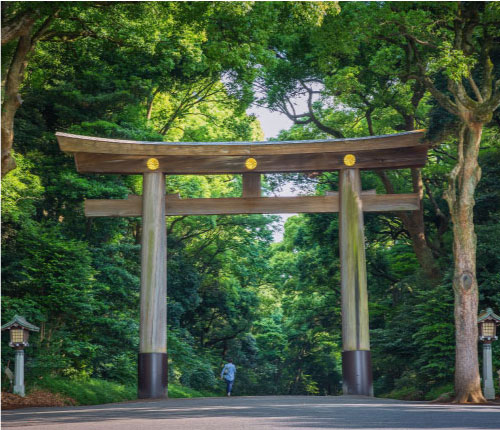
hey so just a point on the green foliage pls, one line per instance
(178, 391)
(87, 391)
(405, 393)
(273, 308)
(200, 377)
(436, 392)
(91, 391)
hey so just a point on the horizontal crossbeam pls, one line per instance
(174, 205)
(399, 158)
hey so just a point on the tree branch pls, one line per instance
(336, 133)
(475, 88)
(43, 28)
(19, 25)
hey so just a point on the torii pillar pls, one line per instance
(152, 363)
(356, 357)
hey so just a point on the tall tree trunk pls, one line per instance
(414, 223)
(416, 227)
(460, 197)
(12, 100)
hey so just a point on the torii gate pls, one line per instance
(155, 160)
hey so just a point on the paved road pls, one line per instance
(279, 412)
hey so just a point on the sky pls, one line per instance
(272, 123)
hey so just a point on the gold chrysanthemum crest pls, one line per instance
(350, 160)
(153, 164)
(250, 163)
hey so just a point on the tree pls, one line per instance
(273, 307)
(330, 72)
(457, 42)
(99, 84)
(393, 64)
(25, 24)
(183, 60)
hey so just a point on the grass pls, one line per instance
(404, 393)
(88, 391)
(97, 391)
(176, 391)
(412, 393)
(438, 391)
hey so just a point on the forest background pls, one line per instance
(188, 71)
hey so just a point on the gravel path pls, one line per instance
(277, 412)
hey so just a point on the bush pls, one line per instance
(436, 392)
(87, 391)
(405, 393)
(91, 391)
(176, 391)
(200, 377)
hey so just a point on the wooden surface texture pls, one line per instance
(354, 298)
(395, 158)
(153, 320)
(250, 205)
(72, 143)
(251, 185)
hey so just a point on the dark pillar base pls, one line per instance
(153, 375)
(357, 373)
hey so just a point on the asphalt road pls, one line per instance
(277, 412)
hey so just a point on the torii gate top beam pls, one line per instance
(101, 155)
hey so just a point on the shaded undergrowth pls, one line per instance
(91, 391)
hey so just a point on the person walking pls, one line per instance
(227, 374)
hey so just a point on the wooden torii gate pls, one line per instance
(155, 160)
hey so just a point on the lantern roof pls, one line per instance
(20, 321)
(488, 314)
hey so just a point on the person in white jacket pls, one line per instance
(227, 374)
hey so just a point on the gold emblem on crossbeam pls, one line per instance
(250, 163)
(153, 164)
(350, 160)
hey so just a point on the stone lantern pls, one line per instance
(19, 330)
(487, 322)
